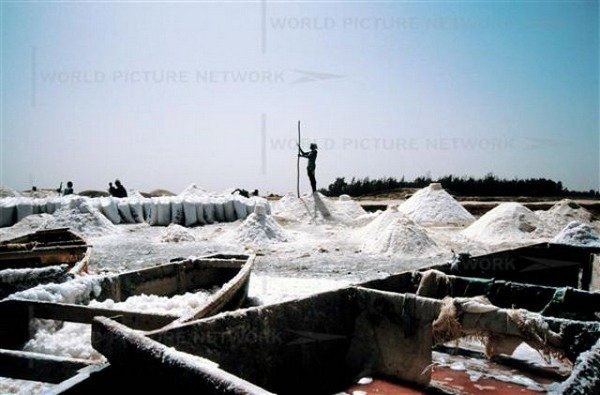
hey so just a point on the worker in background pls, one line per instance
(69, 189)
(118, 190)
(312, 158)
(242, 192)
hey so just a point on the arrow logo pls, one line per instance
(313, 337)
(313, 76)
(544, 263)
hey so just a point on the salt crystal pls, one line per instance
(457, 366)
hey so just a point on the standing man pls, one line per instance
(312, 158)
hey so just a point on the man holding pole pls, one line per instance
(312, 158)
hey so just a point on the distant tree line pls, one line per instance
(490, 185)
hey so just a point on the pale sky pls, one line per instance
(164, 94)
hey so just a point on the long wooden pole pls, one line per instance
(298, 164)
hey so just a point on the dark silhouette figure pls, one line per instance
(245, 193)
(69, 189)
(118, 190)
(312, 158)
(242, 192)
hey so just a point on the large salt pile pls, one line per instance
(433, 206)
(379, 223)
(402, 237)
(317, 208)
(508, 222)
(563, 213)
(259, 228)
(578, 234)
(176, 233)
(290, 208)
(348, 207)
(80, 216)
(365, 219)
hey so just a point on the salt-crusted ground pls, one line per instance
(333, 240)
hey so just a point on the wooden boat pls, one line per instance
(560, 302)
(45, 256)
(229, 273)
(325, 343)
(551, 264)
(43, 248)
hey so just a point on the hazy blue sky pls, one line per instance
(165, 94)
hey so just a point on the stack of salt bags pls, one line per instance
(198, 210)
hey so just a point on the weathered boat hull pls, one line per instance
(230, 273)
(320, 344)
(561, 302)
(42, 257)
(44, 248)
(556, 265)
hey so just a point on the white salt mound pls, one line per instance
(348, 207)
(578, 234)
(404, 238)
(175, 234)
(380, 223)
(259, 228)
(563, 213)
(317, 208)
(82, 218)
(365, 219)
(433, 206)
(508, 222)
(291, 208)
